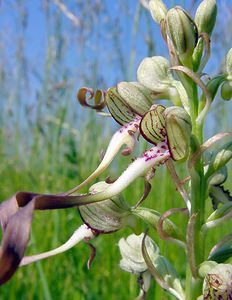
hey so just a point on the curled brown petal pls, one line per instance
(15, 240)
(86, 94)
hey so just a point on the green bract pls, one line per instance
(205, 17)
(183, 33)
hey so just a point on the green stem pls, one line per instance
(193, 286)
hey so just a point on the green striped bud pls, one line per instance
(205, 17)
(183, 33)
(158, 10)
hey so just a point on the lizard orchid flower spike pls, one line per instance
(162, 127)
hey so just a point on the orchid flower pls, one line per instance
(164, 128)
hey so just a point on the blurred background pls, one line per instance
(49, 143)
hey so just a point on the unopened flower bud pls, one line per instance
(205, 17)
(218, 282)
(229, 64)
(158, 10)
(154, 73)
(226, 90)
(178, 127)
(131, 250)
(183, 33)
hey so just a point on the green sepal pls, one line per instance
(178, 127)
(151, 217)
(136, 96)
(119, 110)
(152, 125)
(105, 216)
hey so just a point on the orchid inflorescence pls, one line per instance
(174, 132)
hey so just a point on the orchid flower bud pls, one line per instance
(226, 90)
(183, 33)
(205, 17)
(154, 73)
(217, 283)
(229, 64)
(158, 10)
(136, 96)
(131, 250)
